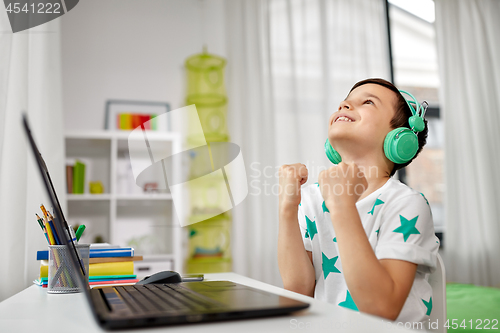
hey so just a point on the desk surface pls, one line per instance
(33, 310)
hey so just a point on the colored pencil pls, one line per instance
(44, 211)
(57, 237)
(40, 222)
(52, 240)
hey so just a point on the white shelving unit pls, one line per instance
(124, 215)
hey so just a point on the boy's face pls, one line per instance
(369, 110)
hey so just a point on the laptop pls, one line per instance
(118, 307)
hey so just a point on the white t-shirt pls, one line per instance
(398, 223)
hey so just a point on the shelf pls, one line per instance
(94, 214)
(152, 135)
(102, 135)
(125, 215)
(107, 196)
(88, 197)
(122, 135)
(138, 197)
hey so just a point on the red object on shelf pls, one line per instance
(136, 120)
(145, 121)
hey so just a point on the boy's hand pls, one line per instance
(292, 177)
(342, 184)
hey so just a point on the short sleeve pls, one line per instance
(303, 229)
(407, 232)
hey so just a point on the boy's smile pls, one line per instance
(343, 117)
(363, 119)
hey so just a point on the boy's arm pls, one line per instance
(378, 287)
(294, 262)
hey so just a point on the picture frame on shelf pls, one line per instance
(128, 114)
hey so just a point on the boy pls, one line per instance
(359, 238)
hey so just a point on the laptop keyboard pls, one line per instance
(152, 298)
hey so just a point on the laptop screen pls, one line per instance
(59, 222)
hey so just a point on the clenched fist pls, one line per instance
(292, 177)
(342, 184)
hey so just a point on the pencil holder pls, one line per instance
(63, 277)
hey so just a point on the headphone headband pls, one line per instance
(416, 121)
(414, 101)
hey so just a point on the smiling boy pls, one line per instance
(359, 238)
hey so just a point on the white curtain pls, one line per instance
(30, 82)
(290, 63)
(468, 43)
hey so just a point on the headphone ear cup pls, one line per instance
(331, 153)
(417, 123)
(400, 145)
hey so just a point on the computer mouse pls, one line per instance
(162, 277)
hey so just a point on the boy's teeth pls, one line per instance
(343, 119)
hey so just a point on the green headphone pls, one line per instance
(400, 144)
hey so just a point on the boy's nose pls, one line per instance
(344, 105)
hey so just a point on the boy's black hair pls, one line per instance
(400, 119)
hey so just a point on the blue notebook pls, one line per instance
(96, 253)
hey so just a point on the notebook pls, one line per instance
(117, 307)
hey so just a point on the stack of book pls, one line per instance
(129, 121)
(75, 178)
(108, 264)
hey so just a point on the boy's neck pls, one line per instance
(377, 170)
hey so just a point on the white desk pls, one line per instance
(35, 311)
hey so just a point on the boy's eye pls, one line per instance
(368, 101)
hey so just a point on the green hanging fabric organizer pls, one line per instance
(209, 250)
(206, 89)
(209, 240)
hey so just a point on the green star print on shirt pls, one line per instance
(311, 228)
(349, 303)
(329, 265)
(325, 209)
(377, 202)
(407, 227)
(428, 305)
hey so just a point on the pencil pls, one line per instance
(50, 219)
(66, 278)
(53, 222)
(44, 211)
(52, 241)
(40, 222)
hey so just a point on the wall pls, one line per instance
(132, 49)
